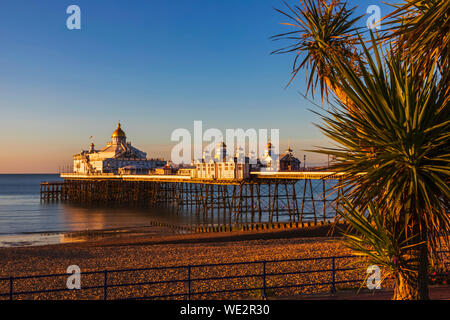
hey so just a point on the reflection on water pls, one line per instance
(103, 217)
(23, 215)
(19, 216)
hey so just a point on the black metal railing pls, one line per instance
(104, 282)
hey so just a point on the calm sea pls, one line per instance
(24, 219)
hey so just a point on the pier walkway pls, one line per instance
(265, 196)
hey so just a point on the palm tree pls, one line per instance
(321, 31)
(404, 119)
(391, 123)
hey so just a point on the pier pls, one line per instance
(265, 196)
(224, 187)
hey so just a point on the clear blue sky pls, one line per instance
(156, 65)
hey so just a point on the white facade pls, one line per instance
(270, 161)
(116, 155)
(221, 167)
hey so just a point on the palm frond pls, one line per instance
(374, 237)
(321, 31)
(421, 29)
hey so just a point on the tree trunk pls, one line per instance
(423, 273)
(340, 94)
(413, 285)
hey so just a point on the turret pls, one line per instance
(118, 136)
(268, 150)
(240, 155)
(221, 152)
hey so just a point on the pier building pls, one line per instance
(223, 167)
(288, 162)
(117, 156)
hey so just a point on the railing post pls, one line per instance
(264, 295)
(11, 288)
(333, 275)
(105, 285)
(189, 281)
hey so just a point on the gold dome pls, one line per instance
(118, 132)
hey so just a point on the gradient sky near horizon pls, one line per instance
(155, 65)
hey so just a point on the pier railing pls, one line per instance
(249, 279)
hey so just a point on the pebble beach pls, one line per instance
(175, 250)
(138, 252)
